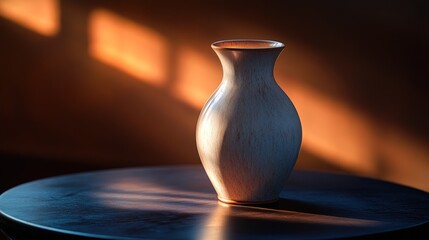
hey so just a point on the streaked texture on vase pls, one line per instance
(248, 133)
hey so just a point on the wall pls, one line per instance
(121, 83)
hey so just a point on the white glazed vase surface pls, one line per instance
(248, 133)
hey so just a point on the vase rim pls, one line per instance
(247, 44)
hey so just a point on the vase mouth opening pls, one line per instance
(247, 44)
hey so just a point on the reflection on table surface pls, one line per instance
(180, 203)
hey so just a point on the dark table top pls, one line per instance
(178, 202)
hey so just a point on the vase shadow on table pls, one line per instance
(286, 218)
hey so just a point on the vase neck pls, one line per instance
(248, 65)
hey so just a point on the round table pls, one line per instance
(178, 202)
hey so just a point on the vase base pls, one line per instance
(229, 201)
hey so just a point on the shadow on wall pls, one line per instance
(122, 83)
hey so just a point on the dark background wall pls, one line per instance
(100, 84)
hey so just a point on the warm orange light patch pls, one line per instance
(131, 47)
(333, 131)
(347, 138)
(197, 77)
(138, 194)
(41, 16)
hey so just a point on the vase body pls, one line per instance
(248, 133)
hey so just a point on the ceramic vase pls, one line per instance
(248, 133)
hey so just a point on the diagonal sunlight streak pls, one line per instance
(197, 77)
(131, 47)
(333, 130)
(136, 186)
(143, 195)
(159, 202)
(40, 16)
